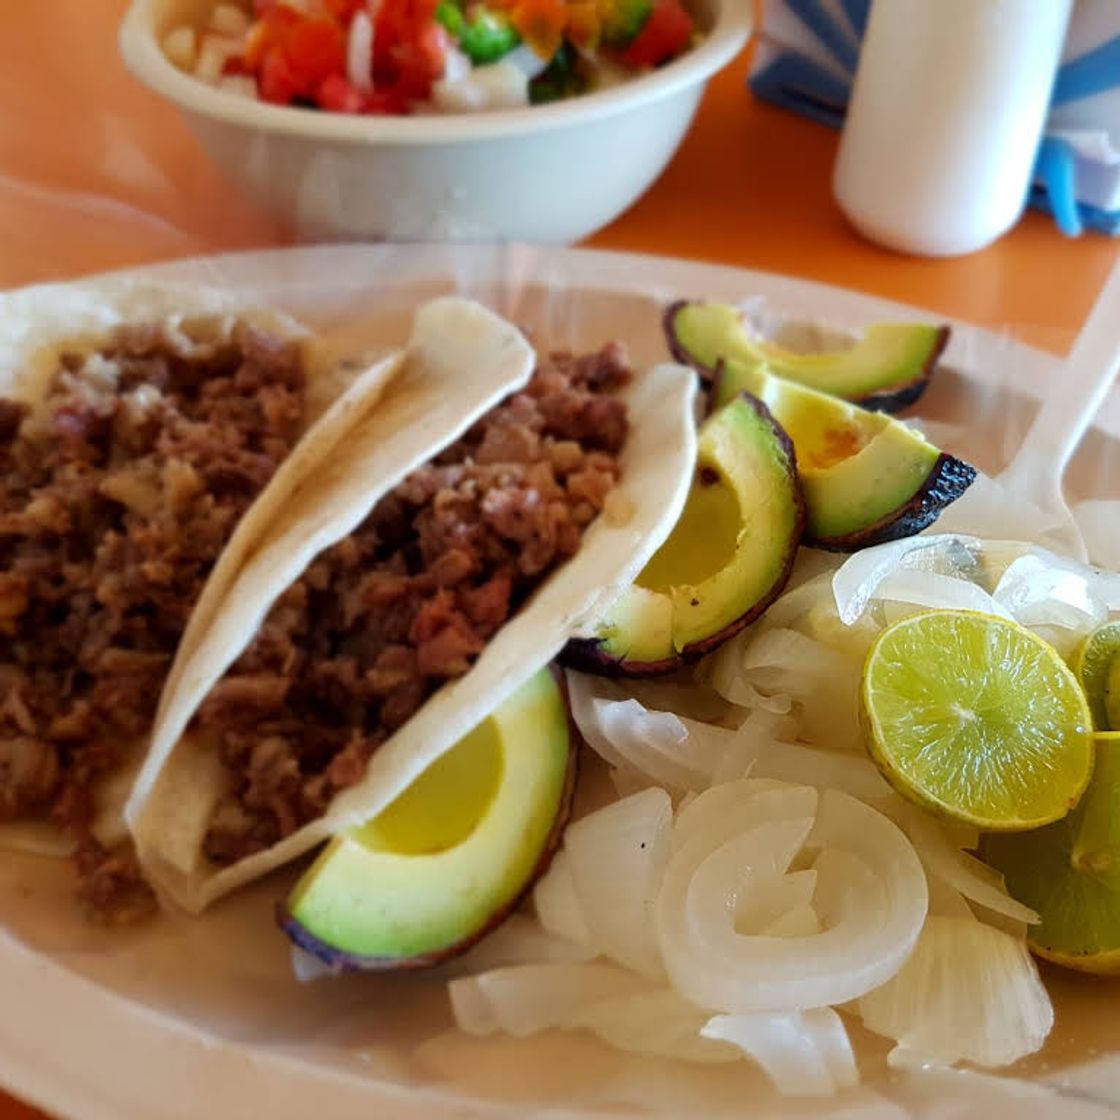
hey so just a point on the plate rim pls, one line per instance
(69, 1072)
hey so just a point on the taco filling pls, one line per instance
(117, 494)
(409, 599)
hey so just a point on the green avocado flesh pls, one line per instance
(728, 555)
(887, 357)
(448, 858)
(857, 468)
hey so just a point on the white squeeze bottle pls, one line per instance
(945, 117)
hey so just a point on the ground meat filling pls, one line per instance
(116, 497)
(408, 600)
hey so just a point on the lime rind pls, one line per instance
(1070, 873)
(977, 719)
(1096, 664)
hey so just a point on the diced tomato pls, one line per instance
(235, 64)
(294, 53)
(410, 48)
(338, 95)
(665, 34)
(275, 80)
(315, 48)
(344, 10)
(268, 33)
(386, 103)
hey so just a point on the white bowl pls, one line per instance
(546, 173)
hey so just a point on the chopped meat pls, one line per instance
(111, 884)
(117, 495)
(409, 600)
(28, 774)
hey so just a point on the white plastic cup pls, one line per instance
(947, 109)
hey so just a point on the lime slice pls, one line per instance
(1097, 665)
(1070, 873)
(976, 718)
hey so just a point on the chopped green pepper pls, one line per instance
(483, 36)
(625, 20)
(561, 78)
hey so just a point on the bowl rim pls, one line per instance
(144, 57)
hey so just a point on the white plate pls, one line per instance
(202, 1018)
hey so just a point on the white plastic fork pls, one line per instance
(1080, 386)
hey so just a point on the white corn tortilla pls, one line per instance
(183, 778)
(39, 323)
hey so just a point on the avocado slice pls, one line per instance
(867, 477)
(449, 859)
(887, 369)
(726, 560)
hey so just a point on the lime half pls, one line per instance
(976, 718)
(1097, 665)
(1070, 873)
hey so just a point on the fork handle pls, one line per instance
(1083, 382)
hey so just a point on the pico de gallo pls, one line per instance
(395, 57)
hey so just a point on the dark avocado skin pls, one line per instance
(893, 399)
(589, 654)
(354, 962)
(948, 480)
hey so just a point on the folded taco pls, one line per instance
(440, 558)
(140, 428)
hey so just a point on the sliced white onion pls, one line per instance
(824, 681)
(803, 1053)
(557, 905)
(756, 912)
(871, 896)
(964, 873)
(518, 940)
(583, 691)
(935, 591)
(825, 769)
(801, 921)
(967, 993)
(659, 1022)
(529, 998)
(858, 579)
(617, 856)
(756, 735)
(627, 781)
(677, 754)
(719, 813)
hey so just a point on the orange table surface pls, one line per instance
(96, 173)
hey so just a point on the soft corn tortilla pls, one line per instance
(183, 778)
(38, 324)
